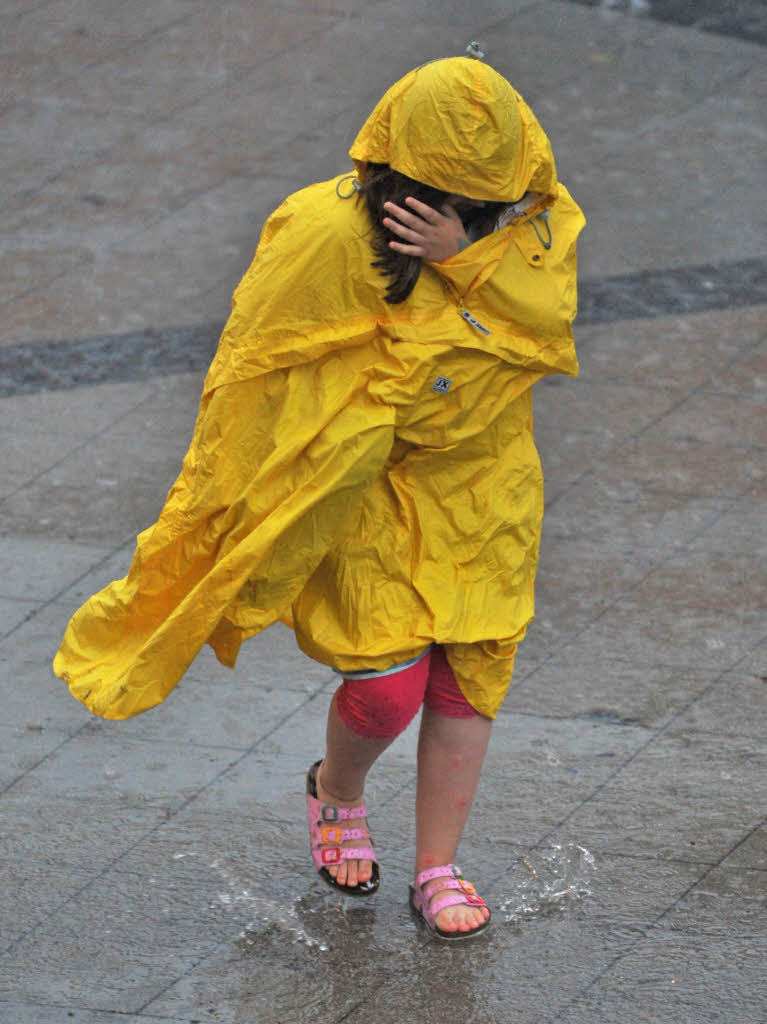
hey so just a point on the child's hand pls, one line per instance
(431, 234)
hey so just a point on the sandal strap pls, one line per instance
(445, 871)
(331, 835)
(329, 814)
(432, 908)
(327, 856)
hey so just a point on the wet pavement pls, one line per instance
(156, 869)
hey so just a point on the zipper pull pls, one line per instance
(473, 321)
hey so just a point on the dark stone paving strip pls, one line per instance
(744, 19)
(680, 292)
(30, 367)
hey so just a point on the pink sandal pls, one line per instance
(428, 907)
(326, 836)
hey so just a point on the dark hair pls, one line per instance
(382, 184)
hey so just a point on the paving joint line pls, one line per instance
(91, 1010)
(119, 144)
(96, 435)
(733, 501)
(160, 824)
(50, 753)
(653, 925)
(641, 749)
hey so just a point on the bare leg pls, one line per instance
(450, 756)
(341, 781)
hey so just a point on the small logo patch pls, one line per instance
(441, 385)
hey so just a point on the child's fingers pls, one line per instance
(424, 211)
(451, 213)
(406, 216)
(402, 230)
(409, 250)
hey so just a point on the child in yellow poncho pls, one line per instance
(363, 464)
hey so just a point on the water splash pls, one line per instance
(257, 912)
(553, 879)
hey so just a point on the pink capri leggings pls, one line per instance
(382, 707)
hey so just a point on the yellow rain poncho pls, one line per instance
(363, 471)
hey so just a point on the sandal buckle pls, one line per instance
(466, 886)
(331, 834)
(329, 813)
(332, 855)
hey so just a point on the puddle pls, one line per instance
(548, 882)
(257, 912)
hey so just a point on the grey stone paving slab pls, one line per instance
(686, 796)
(401, 976)
(56, 1013)
(509, 980)
(31, 694)
(114, 566)
(13, 611)
(682, 352)
(733, 707)
(80, 415)
(726, 901)
(618, 516)
(96, 795)
(575, 685)
(206, 51)
(539, 770)
(26, 457)
(23, 746)
(141, 276)
(233, 716)
(635, 891)
(673, 291)
(716, 419)
(700, 469)
(39, 569)
(116, 947)
(746, 375)
(32, 889)
(673, 977)
(46, 135)
(451, 12)
(121, 482)
(166, 416)
(751, 854)
(656, 173)
(624, 411)
(702, 610)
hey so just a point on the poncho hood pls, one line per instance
(457, 125)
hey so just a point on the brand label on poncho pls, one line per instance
(441, 385)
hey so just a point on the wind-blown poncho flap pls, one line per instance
(258, 503)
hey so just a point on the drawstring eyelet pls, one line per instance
(355, 186)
